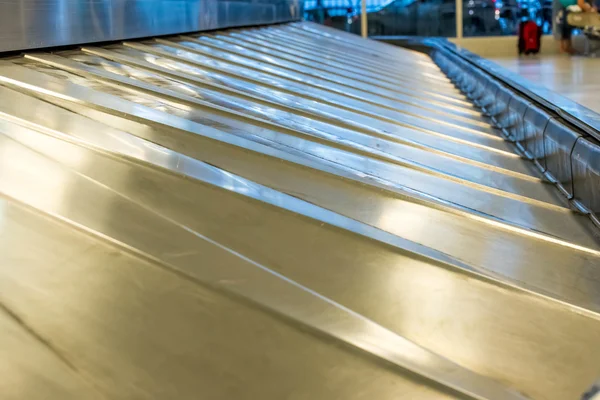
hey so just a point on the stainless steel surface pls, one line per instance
(560, 149)
(31, 24)
(210, 216)
(586, 174)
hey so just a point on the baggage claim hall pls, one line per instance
(289, 200)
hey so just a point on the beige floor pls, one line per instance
(575, 77)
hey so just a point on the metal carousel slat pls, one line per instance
(280, 123)
(346, 86)
(336, 97)
(318, 69)
(452, 145)
(226, 215)
(329, 64)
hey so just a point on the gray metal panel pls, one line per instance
(517, 108)
(479, 87)
(489, 95)
(499, 110)
(29, 24)
(535, 122)
(559, 141)
(586, 174)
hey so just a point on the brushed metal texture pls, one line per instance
(30, 24)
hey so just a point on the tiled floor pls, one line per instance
(575, 77)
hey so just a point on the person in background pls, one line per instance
(566, 30)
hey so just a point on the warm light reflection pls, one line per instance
(31, 178)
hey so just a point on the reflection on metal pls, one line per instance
(226, 214)
(31, 24)
(564, 153)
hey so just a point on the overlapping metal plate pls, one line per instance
(278, 213)
(551, 137)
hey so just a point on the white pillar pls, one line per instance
(363, 18)
(459, 18)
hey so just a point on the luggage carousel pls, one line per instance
(281, 212)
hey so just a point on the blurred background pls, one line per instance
(431, 17)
